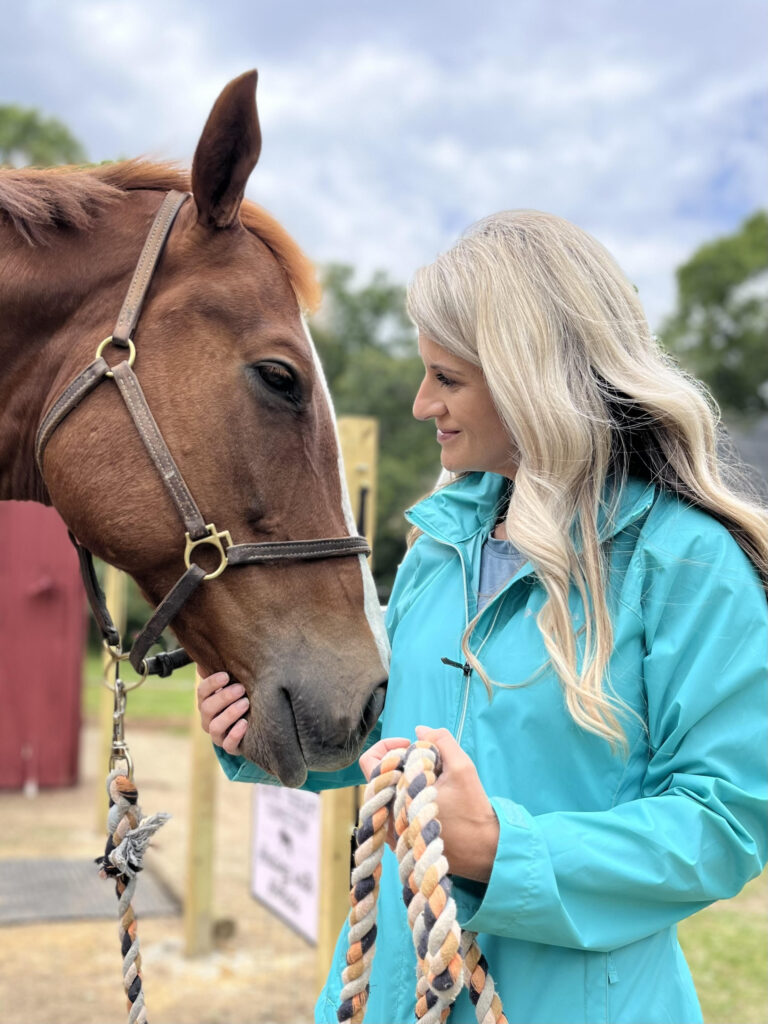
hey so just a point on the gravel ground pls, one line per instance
(69, 972)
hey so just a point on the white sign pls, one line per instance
(285, 873)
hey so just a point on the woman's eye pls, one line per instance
(444, 381)
(279, 378)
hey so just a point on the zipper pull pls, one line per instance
(466, 668)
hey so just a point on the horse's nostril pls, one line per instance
(374, 707)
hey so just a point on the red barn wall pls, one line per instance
(42, 642)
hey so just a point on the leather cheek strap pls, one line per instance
(145, 424)
(164, 614)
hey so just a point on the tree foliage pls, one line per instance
(368, 348)
(27, 137)
(719, 327)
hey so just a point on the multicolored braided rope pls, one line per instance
(128, 836)
(447, 957)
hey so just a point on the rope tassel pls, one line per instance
(447, 958)
(128, 836)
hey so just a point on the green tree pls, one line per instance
(718, 329)
(26, 137)
(368, 348)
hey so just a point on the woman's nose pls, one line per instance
(427, 405)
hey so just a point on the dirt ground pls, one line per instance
(70, 972)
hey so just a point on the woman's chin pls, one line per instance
(450, 464)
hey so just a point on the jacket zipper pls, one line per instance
(466, 668)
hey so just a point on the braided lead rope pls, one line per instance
(447, 957)
(482, 990)
(426, 886)
(128, 836)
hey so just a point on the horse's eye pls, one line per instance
(280, 379)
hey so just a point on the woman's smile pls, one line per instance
(444, 436)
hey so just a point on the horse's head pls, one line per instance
(234, 384)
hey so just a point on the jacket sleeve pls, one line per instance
(697, 833)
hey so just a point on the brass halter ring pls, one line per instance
(220, 539)
(108, 341)
(116, 655)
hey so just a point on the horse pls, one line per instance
(228, 370)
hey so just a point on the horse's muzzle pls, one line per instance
(288, 737)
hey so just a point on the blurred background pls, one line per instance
(389, 129)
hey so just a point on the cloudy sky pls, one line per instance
(389, 127)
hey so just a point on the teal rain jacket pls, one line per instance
(600, 854)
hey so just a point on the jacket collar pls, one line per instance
(459, 511)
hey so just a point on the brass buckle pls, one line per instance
(218, 538)
(131, 352)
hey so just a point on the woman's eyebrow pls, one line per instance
(445, 369)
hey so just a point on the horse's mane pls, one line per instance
(37, 202)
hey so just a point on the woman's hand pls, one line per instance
(470, 829)
(371, 757)
(221, 710)
(368, 761)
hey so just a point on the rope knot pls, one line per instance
(128, 836)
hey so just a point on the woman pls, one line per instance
(599, 595)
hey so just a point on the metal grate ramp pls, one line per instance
(66, 890)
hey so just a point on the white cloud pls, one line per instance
(382, 139)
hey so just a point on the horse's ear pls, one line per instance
(227, 153)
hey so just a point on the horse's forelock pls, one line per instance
(36, 202)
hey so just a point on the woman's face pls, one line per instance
(469, 430)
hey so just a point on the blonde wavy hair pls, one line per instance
(584, 391)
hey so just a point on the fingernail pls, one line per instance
(242, 703)
(236, 689)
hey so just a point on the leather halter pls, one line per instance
(198, 532)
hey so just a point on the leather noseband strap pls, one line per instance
(198, 532)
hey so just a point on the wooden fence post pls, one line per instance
(359, 443)
(198, 891)
(115, 594)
